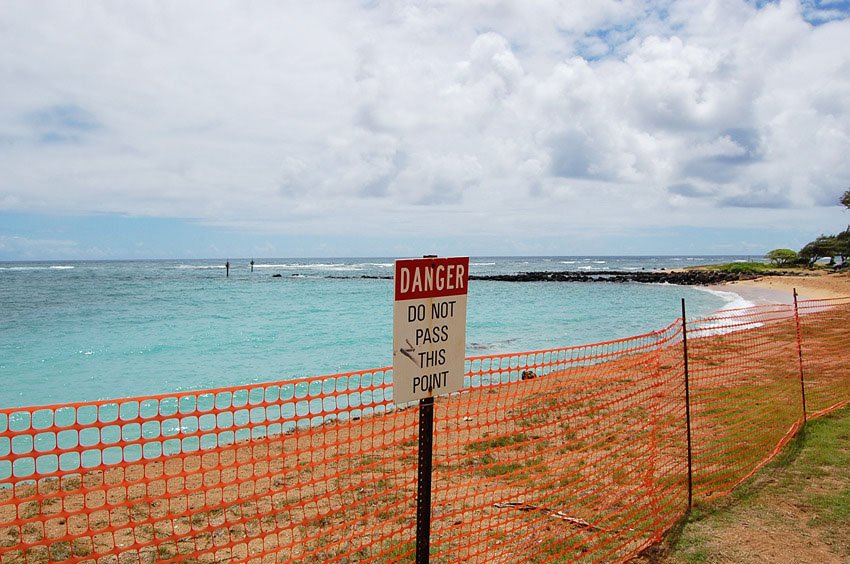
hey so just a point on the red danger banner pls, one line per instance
(431, 278)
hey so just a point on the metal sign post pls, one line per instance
(429, 348)
(687, 406)
(423, 480)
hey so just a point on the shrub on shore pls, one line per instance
(743, 267)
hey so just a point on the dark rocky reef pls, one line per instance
(683, 278)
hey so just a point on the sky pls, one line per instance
(205, 129)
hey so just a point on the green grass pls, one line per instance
(757, 267)
(811, 473)
(486, 445)
(743, 267)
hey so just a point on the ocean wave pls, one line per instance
(737, 305)
(26, 268)
(314, 266)
(733, 300)
(199, 266)
(482, 264)
(337, 267)
(495, 346)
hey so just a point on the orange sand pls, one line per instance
(814, 285)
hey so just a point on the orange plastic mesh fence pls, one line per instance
(825, 331)
(567, 454)
(560, 455)
(745, 393)
(310, 470)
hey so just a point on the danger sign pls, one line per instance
(429, 327)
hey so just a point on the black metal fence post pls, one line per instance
(423, 482)
(800, 354)
(423, 476)
(687, 405)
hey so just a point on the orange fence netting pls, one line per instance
(572, 454)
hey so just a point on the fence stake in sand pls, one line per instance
(687, 406)
(800, 353)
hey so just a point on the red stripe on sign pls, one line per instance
(431, 277)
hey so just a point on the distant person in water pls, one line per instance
(227, 268)
(252, 265)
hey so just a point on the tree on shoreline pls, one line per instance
(843, 244)
(822, 247)
(828, 245)
(782, 257)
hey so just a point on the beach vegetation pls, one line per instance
(743, 267)
(487, 445)
(811, 474)
(827, 246)
(843, 245)
(782, 257)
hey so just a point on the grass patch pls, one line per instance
(486, 445)
(812, 474)
(741, 267)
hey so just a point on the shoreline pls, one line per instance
(766, 290)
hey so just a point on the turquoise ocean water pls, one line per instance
(78, 331)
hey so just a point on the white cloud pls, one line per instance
(28, 248)
(338, 117)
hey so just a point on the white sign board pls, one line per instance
(429, 327)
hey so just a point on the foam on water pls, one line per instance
(731, 299)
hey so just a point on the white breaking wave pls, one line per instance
(25, 268)
(735, 304)
(733, 300)
(313, 266)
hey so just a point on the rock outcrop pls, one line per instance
(681, 277)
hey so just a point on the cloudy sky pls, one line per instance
(397, 128)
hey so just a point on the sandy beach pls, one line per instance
(779, 289)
